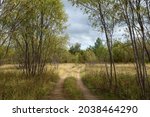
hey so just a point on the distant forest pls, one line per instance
(122, 52)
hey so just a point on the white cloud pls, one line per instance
(79, 28)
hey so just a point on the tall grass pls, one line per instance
(71, 89)
(127, 86)
(15, 86)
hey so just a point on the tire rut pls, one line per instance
(58, 92)
(87, 94)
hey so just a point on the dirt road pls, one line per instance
(70, 70)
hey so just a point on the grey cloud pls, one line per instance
(79, 28)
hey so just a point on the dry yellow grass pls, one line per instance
(120, 68)
(67, 70)
(9, 68)
(70, 70)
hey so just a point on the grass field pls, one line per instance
(15, 86)
(120, 68)
(94, 77)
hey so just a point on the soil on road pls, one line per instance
(70, 70)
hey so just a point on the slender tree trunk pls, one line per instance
(112, 72)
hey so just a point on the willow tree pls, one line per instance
(31, 26)
(102, 18)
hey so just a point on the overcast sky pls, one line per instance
(79, 28)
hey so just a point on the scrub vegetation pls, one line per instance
(16, 86)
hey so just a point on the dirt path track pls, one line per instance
(87, 94)
(58, 92)
(71, 71)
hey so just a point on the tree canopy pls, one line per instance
(32, 26)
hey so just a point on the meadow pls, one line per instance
(16, 86)
(95, 78)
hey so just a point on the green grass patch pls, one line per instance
(71, 90)
(15, 86)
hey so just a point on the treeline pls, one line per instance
(122, 52)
